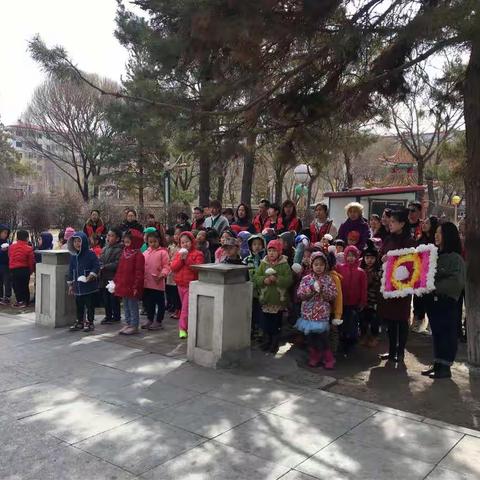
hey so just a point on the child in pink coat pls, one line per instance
(317, 290)
(157, 268)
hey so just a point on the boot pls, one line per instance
(443, 371)
(328, 360)
(429, 371)
(314, 357)
(275, 343)
(267, 343)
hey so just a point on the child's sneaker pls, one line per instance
(146, 325)
(77, 326)
(182, 334)
(88, 327)
(19, 305)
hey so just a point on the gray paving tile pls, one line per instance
(347, 459)
(276, 439)
(406, 437)
(215, 461)
(107, 353)
(21, 444)
(80, 419)
(332, 413)
(146, 396)
(95, 380)
(456, 428)
(11, 378)
(140, 445)
(11, 325)
(197, 378)
(444, 474)
(206, 416)
(33, 399)
(69, 463)
(465, 457)
(150, 365)
(295, 475)
(255, 393)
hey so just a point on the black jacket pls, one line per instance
(4, 253)
(109, 259)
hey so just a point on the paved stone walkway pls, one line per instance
(74, 406)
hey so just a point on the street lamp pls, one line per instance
(456, 200)
(302, 173)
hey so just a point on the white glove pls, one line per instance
(297, 268)
(316, 287)
(270, 271)
(111, 286)
(4, 246)
(337, 321)
(82, 278)
(183, 252)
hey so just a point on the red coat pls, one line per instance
(90, 231)
(259, 223)
(183, 274)
(131, 270)
(317, 235)
(294, 225)
(354, 281)
(20, 255)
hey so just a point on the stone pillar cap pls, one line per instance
(221, 273)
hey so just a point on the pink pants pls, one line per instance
(183, 320)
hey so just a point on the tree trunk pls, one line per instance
(431, 196)
(248, 166)
(141, 189)
(220, 187)
(420, 171)
(472, 196)
(348, 170)
(278, 187)
(85, 191)
(204, 166)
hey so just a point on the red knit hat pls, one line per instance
(276, 245)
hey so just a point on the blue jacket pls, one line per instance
(4, 253)
(82, 263)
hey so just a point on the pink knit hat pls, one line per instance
(69, 231)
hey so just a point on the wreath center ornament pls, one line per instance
(409, 271)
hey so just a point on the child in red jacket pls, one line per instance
(129, 280)
(354, 289)
(187, 256)
(21, 262)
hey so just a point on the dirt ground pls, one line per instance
(455, 400)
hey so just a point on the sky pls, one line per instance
(85, 28)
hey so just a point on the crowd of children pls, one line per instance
(326, 286)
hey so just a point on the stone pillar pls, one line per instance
(220, 312)
(53, 306)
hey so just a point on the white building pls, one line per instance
(46, 177)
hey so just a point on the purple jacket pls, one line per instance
(360, 225)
